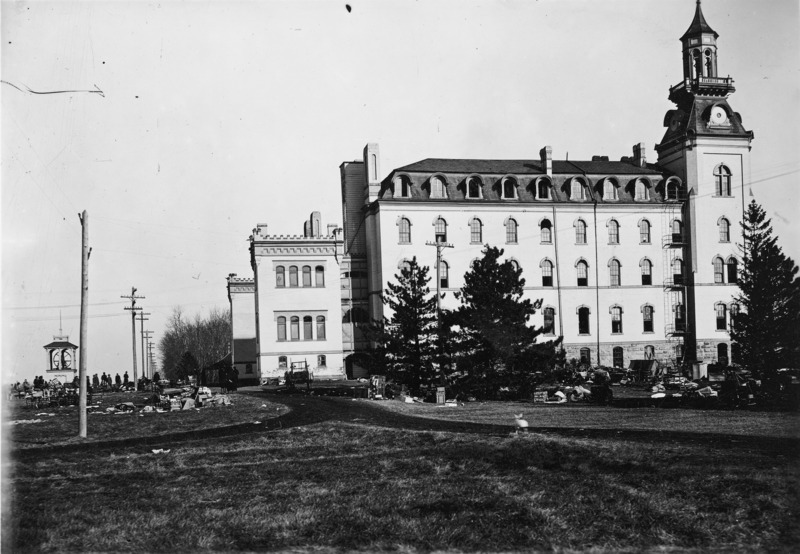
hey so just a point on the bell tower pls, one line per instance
(707, 146)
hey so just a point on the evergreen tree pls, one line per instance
(407, 340)
(497, 346)
(766, 331)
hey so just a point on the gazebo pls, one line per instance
(61, 359)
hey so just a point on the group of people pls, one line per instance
(228, 379)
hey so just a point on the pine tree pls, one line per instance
(407, 340)
(766, 330)
(497, 345)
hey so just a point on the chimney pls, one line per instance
(546, 156)
(261, 229)
(332, 229)
(372, 170)
(315, 221)
(639, 158)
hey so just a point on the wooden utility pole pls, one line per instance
(148, 371)
(439, 245)
(142, 319)
(82, 380)
(133, 307)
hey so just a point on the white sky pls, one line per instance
(220, 115)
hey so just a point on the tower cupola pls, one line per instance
(699, 48)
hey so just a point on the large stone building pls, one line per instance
(633, 260)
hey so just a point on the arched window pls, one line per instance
(444, 275)
(647, 271)
(614, 273)
(320, 327)
(543, 189)
(308, 328)
(677, 230)
(610, 190)
(647, 318)
(583, 273)
(547, 273)
(644, 231)
(509, 188)
(618, 356)
(306, 275)
(722, 179)
(401, 187)
(722, 353)
(280, 276)
(293, 276)
(616, 319)
(546, 231)
(473, 187)
(642, 190)
(404, 231)
(724, 230)
(577, 190)
(404, 266)
(319, 275)
(294, 328)
(586, 356)
(322, 360)
(677, 271)
(281, 328)
(649, 352)
(514, 264)
(580, 232)
(733, 311)
(680, 317)
(733, 273)
(438, 189)
(673, 191)
(511, 231)
(583, 320)
(475, 231)
(549, 321)
(721, 311)
(719, 273)
(613, 232)
(440, 230)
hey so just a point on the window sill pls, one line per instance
(515, 242)
(546, 242)
(403, 243)
(648, 332)
(648, 242)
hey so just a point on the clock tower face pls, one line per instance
(56, 359)
(719, 116)
(67, 359)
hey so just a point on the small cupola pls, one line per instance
(699, 48)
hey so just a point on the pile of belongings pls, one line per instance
(190, 398)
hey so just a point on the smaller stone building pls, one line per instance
(298, 300)
(241, 295)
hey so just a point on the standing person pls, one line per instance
(118, 380)
(235, 379)
(125, 379)
(95, 381)
(223, 379)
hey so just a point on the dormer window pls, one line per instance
(577, 190)
(509, 188)
(543, 186)
(402, 187)
(642, 190)
(473, 187)
(673, 190)
(610, 190)
(438, 189)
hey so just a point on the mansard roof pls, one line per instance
(526, 167)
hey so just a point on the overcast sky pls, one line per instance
(216, 116)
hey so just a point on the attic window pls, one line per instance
(437, 188)
(473, 187)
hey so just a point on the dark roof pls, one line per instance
(523, 167)
(699, 24)
(60, 344)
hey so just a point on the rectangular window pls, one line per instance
(281, 328)
(549, 321)
(583, 321)
(295, 328)
(307, 328)
(616, 320)
(320, 276)
(321, 360)
(321, 328)
(306, 276)
(647, 319)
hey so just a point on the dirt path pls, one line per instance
(309, 410)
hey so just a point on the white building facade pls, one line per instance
(632, 260)
(298, 301)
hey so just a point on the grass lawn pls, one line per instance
(341, 474)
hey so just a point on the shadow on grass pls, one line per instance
(310, 410)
